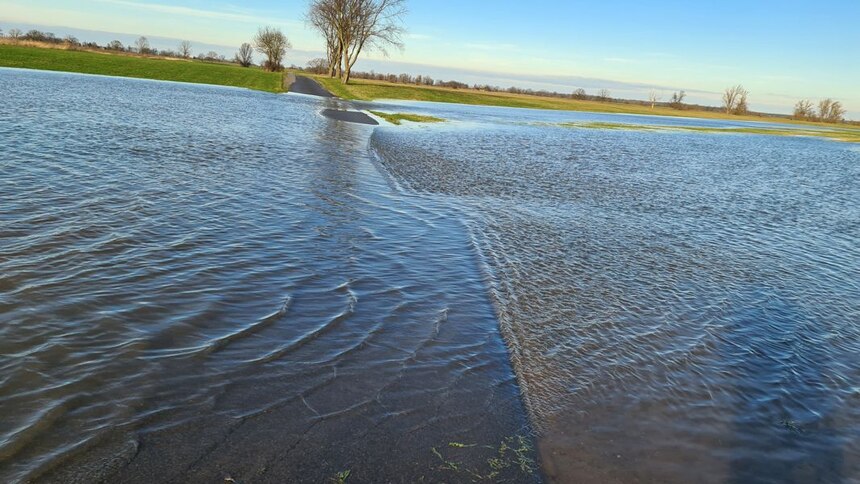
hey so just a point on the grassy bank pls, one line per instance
(110, 64)
(366, 90)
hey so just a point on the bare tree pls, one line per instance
(653, 98)
(742, 107)
(824, 108)
(318, 66)
(15, 34)
(579, 94)
(245, 56)
(184, 49)
(677, 101)
(730, 99)
(142, 45)
(734, 98)
(837, 113)
(272, 43)
(355, 26)
(830, 111)
(325, 17)
(115, 45)
(804, 110)
(373, 24)
(603, 94)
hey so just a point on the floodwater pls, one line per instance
(200, 284)
(679, 307)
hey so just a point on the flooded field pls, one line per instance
(680, 307)
(200, 284)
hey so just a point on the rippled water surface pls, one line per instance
(679, 307)
(199, 283)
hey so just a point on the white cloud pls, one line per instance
(492, 46)
(234, 16)
(620, 60)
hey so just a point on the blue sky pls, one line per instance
(781, 51)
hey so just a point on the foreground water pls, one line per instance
(201, 283)
(680, 307)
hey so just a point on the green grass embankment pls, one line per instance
(111, 64)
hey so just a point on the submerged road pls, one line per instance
(306, 85)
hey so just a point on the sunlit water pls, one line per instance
(199, 283)
(679, 307)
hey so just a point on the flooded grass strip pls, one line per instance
(848, 135)
(398, 118)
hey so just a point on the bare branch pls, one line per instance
(351, 27)
(272, 43)
(735, 100)
(185, 49)
(245, 56)
(142, 45)
(653, 98)
(830, 111)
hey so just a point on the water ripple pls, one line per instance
(676, 306)
(201, 282)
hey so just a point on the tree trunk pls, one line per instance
(346, 67)
(334, 62)
(349, 60)
(340, 56)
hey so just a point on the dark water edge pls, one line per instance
(203, 284)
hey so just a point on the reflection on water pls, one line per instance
(678, 307)
(199, 283)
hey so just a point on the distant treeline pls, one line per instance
(734, 98)
(319, 66)
(829, 111)
(141, 46)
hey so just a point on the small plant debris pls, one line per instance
(510, 458)
(341, 477)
